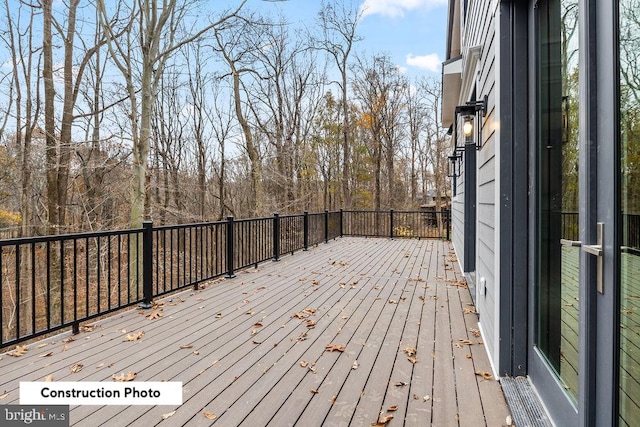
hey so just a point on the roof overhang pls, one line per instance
(451, 85)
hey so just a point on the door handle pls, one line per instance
(597, 251)
(571, 243)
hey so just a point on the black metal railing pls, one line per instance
(55, 282)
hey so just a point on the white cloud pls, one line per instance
(396, 8)
(401, 69)
(429, 62)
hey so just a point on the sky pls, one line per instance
(412, 32)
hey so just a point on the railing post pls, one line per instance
(147, 264)
(391, 224)
(230, 247)
(341, 223)
(326, 226)
(305, 226)
(276, 237)
(448, 218)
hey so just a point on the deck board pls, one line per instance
(375, 296)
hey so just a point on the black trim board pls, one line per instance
(514, 188)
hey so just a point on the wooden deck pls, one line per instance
(377, 297)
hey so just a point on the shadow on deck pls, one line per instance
(252, 349)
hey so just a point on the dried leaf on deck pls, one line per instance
(257, 325)
(315, 283)
(298, 316)
(185, 346)
(129, 376)
(314, 391)
(401, 384)
(470, 311)
(335, 347)
(466, 342)
(468, 356)
(135, 337)
(383, 420)
(412, 359)
(4, 396)
(218, 315)
(310, 310)
(167, 415)
(42, 345)
(48, 378)
(155, 314)
(47, 354)
(69, 339)
(76, 367)
(100, 365)
(392, 408)
(19, 351)
(304, 363)
(475, 332)
(411, 351)
(209, 415)
(355, 365)
(392, 301)
(484, 374)
(311, 324)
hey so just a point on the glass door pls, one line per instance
(558, 247)
(629, 239)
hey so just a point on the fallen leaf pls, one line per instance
(392, 301)
(256, 342)
(65, 347)
(42, 345)
(257, 325)
(304, 363)
(129, 376)
(196, 352)
(48, 378)
(335, 347)
(219, 316)
(88, 328)
(4, 396)
(392, 408)
(427, 397)
(421, 298)
(298, 316)
(468, 356)
(467, 342)
(411, 351)
(135, 337)
(310, 310)
(19, 351)
(484, 374)
(333, 400)
(100, 365)
(401, 384)
(47, 354)
(209, 415)
(76, 367)
(167, 415)
(70, 339)
(382, 420)
(155, 314)
(412, 359)
(314, 391)
(470, 311)
(311, 324)
(186, 346)
(355, 365)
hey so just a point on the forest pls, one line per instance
(114, 112)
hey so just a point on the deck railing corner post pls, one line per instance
(230, 237)
(305, 226)
(341, 222)
(276, 237)
(326, 226)
(147, 264)
(391, 223)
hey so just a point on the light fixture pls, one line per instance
(453, 173)
(469, 112)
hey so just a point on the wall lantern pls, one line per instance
(454, 160)
(469, 112)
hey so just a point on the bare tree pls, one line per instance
(339, 24)
(160, 33)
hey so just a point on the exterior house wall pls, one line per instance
(478, 76)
